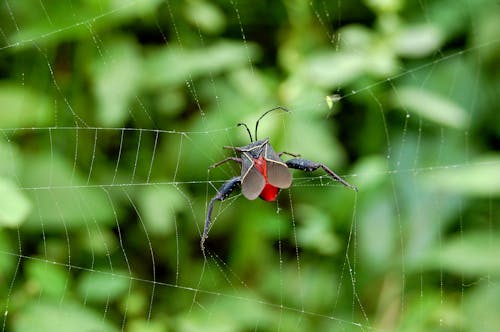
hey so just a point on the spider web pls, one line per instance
(112, 112)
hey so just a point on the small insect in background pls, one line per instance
(263, 172)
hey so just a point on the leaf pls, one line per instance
(101, 287)
(7, 262)
(333, 68)
(10, 156)
(483, 304)
(371, 172)
(384, 6)
(418, 41)
(158, 207)
(430, 106)
(314, 232)
(225, 315)
(472, 254)
(14, 205)
(99, 240)
(56, 21)
(205, 16)
(478, 178)
(22, 107)
(51, 280)
(55, 316)
(145, 325)
(175, 66)
(61, 200)
(115, 86)
(378, 233)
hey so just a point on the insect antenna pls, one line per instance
(248, 130)
(265, 113)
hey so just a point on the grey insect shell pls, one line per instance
(252, 180)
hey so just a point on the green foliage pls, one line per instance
(102, 287)
(23, 107)
(111, 112)
(14, 206)
(468, 255)
(51, 316)
(431, 107)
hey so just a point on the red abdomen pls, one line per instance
(270, 192)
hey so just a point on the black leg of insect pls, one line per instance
(310, 166)
(225, 190)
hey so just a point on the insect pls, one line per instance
(263, 172)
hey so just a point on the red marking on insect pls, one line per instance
(270, 192)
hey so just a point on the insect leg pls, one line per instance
(234, 148)
(310, 166)
(288, 153)
(224, 191)
(235, 159)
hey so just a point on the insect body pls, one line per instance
(263, 172)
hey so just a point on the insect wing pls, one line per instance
(278, 173)
(252, 181)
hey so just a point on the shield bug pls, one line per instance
(263, 172)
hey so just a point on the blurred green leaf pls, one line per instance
(53, 22)
(158, 207)
(314, 286)
(7, 262)
(58, 209)
(471, 254)
(480, 178)
(450, 15)
(315, 231)
(430, 106)
(11, 157)
(99, 240)
(38, 25)
(62, 201)
(116, 77)
(331, 69)
(251, 85)
(487, 30)
(371, 172)
(205, 16)
(384, 6)
(356, 38)
(314, 133)
(136, 303)
(40, 316)
(171, 103)
(103, 287)
(14, 205)
(225, 314)
(49, 279)
(418, 41)
(431, 313)
(22, 107)
(146, 325)
(481, 307)
(174, 66)
(378, 232)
